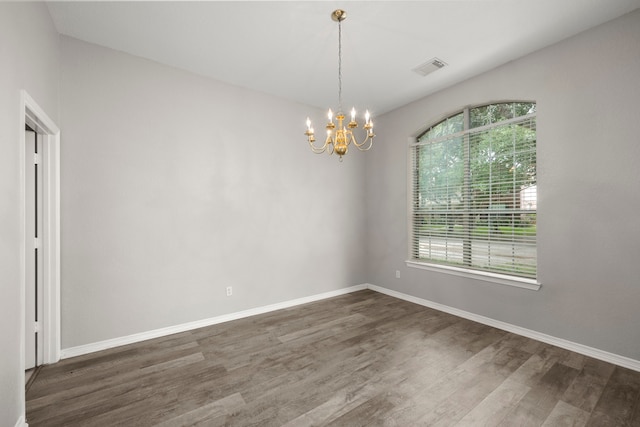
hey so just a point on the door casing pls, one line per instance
(35, 117)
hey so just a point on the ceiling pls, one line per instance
(289, 48)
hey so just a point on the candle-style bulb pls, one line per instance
(367, 116)
(353, 114)
(330, 115)
(308, 124)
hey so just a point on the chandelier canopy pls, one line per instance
(340, 137)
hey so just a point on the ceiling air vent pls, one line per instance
(430, 66)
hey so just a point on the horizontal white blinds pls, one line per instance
(474, 198)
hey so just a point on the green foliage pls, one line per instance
(494, 113)
(441, 173)
(501, 160)
(446, 127)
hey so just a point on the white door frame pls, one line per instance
(31, 114)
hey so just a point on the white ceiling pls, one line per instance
(289, 48)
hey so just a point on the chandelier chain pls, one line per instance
(340, 66)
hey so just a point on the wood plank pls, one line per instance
(586, 389)
(534, 408)
(566, 415)
(617, 405)
(495, 407)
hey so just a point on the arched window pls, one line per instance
(474, 191)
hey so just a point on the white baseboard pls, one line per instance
(21, 422)
(156, 333)
(558, 342)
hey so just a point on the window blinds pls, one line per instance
(474, 198)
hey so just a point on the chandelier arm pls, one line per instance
(367, 148)
(366, 144)
(321, 149)
(352, 139)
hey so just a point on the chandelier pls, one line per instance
(338, 137)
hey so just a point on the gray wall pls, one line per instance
(175, 186)
(588, 91)
(29, 53)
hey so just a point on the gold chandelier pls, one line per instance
(338, 137)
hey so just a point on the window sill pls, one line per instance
(501, 279)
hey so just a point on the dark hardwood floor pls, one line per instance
(362, 359)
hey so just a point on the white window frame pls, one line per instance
(462, 271)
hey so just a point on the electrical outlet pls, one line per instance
(229, 291)
(397, 274)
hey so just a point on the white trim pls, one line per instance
(502, 279)
(33, 115)
(409, 196)
(615, 359)
(51, 297)
(156, 333)
(21, 422)
(558, 342)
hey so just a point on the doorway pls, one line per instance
(40, 230)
